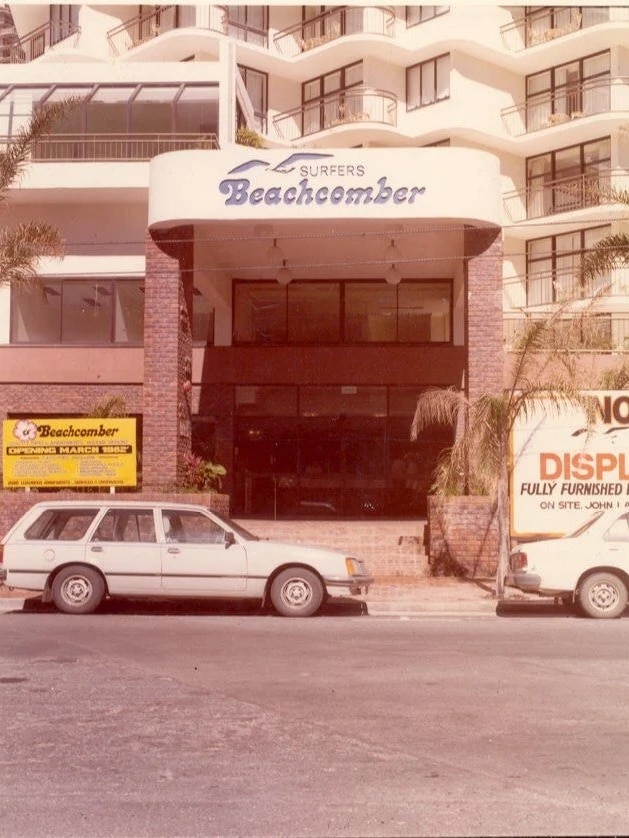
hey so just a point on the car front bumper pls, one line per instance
(343, 585)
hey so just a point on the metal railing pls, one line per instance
(38, 41)
(594, 96)
(549, 23)
(141, 28)
(546, 285)
(550, 197)
(601, 332)
(107, 147)
(351, 106)
(333, 24)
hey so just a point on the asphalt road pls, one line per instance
(150, 721)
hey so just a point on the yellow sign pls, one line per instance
(68, 453)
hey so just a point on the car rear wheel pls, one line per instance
(78, 590)
(297, 592)
(603, 595)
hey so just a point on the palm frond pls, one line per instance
(15, 157)
(21, 248)
(608, 253)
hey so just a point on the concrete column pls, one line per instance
(166, 425)
(485, 365)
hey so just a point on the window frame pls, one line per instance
(419, 68)
(342, 313)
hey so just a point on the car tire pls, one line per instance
(603, 596)
(77, 590)
(297, 592)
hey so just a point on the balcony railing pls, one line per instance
(142, 28)
(333, 24)
(595, 96)
(549, 23)
(37, 42)
(600, 333)
(351, 106)
(563, 195)
(106, 147)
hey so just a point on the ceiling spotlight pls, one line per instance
(392, 253)
(393, 276)
(284, 276)
(275, 255)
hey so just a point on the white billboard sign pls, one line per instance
(564, 469)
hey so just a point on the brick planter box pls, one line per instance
(462, 536)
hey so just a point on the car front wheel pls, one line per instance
(603, 595)
(78, 590)
(297, 592)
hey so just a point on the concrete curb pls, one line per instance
(8, 604)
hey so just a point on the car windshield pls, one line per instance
(232, 525)
(585, 526)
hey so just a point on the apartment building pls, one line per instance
(423, 183)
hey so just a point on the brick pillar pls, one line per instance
(485, 365)
(166, 423)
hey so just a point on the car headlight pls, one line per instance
(354, 567)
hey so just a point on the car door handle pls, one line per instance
(173, 550)
(96, 549)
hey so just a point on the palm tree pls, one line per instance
(611, 251)
(478, 462)
(23, 245)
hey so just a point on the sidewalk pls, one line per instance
(396, 597)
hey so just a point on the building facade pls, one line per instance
(422, 179)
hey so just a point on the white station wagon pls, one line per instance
(588, 568)
(78, 553)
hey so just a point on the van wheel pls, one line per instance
(78, 590)
(297, 592)
(603, 596)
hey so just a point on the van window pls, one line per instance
(61, 525)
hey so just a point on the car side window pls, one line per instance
(61, 525)
(128, 525)
(189, 527)
(619, 530)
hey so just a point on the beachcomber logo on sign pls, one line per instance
(566, 468)
(345, 184)
(67, 453)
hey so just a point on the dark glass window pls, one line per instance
(420, 14)
(256, 84)
(552, 266)
(79, 311)
(330, 451)
(64, 19)
(328, 100)
(568, 91)
(428, 82)
(342, 312)
(248, 23)
(568, 178)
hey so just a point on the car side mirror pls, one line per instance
(229, 539)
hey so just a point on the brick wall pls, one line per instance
(167, 356)
(485, 369)
(38, 398)
(462, 533)
(390, 548)
(14, 504)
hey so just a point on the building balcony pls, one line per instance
(549, 23)
(596, 96)
(563, 195)
(39, 41)
(110, 147)
(350, 107)
(147, 26)
(334, 24)
(603, 333)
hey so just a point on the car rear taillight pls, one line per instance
(1, 553)
(518, 561)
